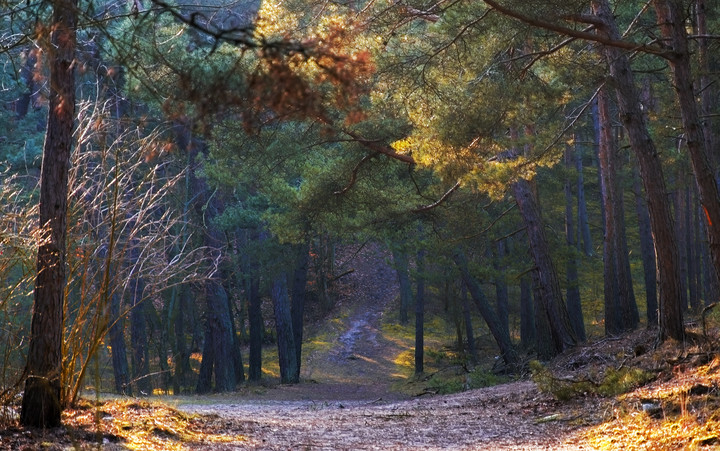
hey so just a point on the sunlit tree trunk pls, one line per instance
(41, 404)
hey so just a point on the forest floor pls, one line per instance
(349, 398)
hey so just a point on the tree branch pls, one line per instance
(579, 34)
(353, 177)
(439, 201)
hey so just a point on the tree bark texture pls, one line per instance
(549, 301)
(671, 297)
(671, 19)
(41, 405)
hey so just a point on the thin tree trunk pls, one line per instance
(501, 290)
(121, 370)
(693, 254)
(469, 332)
(256, 326)
(181, 358)
(647, 251)
(400, 259)
(140, 355)
(583, 222)
(499, 333)
(671, 297)
(41, 403)
(574, 304)
(420, 313)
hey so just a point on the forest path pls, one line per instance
(345, 402)
(359, 357)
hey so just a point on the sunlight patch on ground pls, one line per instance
(141, 425)
(682, 413)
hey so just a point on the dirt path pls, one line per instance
(347, 404)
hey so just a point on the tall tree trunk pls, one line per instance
(420, 313)
(218, 322)
(621, 312)
(140, 356)
(181, 357)
(469, 332)
(256, 326)
(236, 345)
(583, 222)
(41, 404)
(671, 19)
(693, 254)
(708, 88)
(499, 333)
(297, 309)
(647, 251)
(400, 259)
(574, 304)
(680, 213)
(549, 301)
(284, 327)
(121, 370)
(671, 297)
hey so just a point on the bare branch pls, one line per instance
(439, 201)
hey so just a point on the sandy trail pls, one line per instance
(348, 406)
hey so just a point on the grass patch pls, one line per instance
(614, 382)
